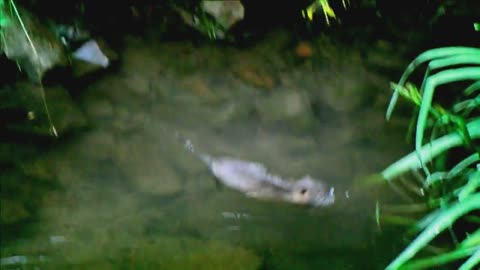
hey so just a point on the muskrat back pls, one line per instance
(255, 180)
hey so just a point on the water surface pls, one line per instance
(124, 194)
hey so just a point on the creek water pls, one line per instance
(124, 193)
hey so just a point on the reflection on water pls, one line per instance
(126, 195)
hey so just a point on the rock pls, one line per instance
(283, 104)
(12, 212)
(226, 13)
(137, 83)
(174, 252)
(215, 255)
(348, 90)
(17, 46)
(64, 114)
(304, 49)
(98, 145)
(198, 86)
(286, 259)
(291, 106)
(39, 168)
(385, 57)
(127, 121)
(100, 109)
(252, 73)
(146, 170)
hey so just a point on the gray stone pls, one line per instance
(64, 114)
(98, 108)
(143, 166)
(281, 105)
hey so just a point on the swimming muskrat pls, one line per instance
(255, 181)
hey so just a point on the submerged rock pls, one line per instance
(35, 52)
(215, 255)
(40, 115)
(288, 106)
(12, 212)
(146, 171)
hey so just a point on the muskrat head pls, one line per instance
(312, 192)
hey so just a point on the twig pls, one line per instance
(37, 60)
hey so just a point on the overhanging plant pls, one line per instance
(451, 186)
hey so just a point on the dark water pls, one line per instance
(124, 194)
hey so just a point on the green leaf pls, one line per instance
(472, 88)
(462, 165)
(473, 240)
(423, 58)
(443, 221)
(443, 77)
(443, 258)
(472, 185)
(473, 261)
(467, 105)
(413, 160)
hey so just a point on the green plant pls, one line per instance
(323, 5)
(450, 185)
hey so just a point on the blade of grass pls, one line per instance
(435, 261)
(472, 240)
(443, 77)
(473, 219)
(405, 209)
(472, 88)
(462, 59)
(457, 169)
(422, 58)
(443, 221)
(472, 184)
(473, 261)
(429, 151)
(423, 223)
(397, 220)
(469, 104)
(435, 177)
(462, 165)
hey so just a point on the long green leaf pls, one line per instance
(435, 177)
(462, 59)
(423, 223)
(473, 261)
(425, 57)
(467, 104)
(443, 77)
(463, 164)
(460, 167)
(472, 240)
(443, 221)
(472, 184)
(439, 259)
(472, 88)
(429, 151)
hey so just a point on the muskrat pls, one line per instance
(255, 181)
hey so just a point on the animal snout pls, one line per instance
(325, 199)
